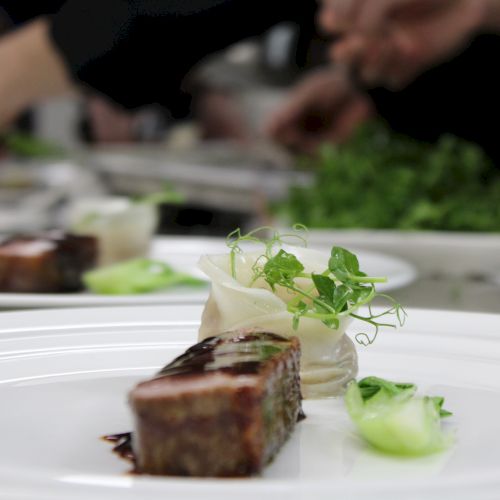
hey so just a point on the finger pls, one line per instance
(327, 20)
(309, 145)
(287, 116)
(358, 112)
(411, 11)
(404, 57)
(283, 133)
(285, 124)
(375, 15)
(292, 109)
(320, 95)
(305, 142)
(410, 61)
(323, 85)
(343, 13)
(291, 138)
(393, 61)
(378, 62)
(343, 124)
(404, 40)
(275, 125)
(349, 50)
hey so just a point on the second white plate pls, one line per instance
(183, 253)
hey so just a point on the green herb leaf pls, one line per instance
(299, 311)
(438, 402)
(370, 386)
(343, 295)
(326, 287)
(343, 264)
(282, 269)
(332, 322)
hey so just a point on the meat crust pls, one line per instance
(223, 408)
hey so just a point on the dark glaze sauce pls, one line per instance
(122, 446)
(241, 354)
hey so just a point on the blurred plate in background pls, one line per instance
(183, 253)
(442, 253)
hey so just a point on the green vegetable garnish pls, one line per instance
(393, 419)
(383, 180)
(167, 195)
(135, 277)
(337, 292)
(28, 146)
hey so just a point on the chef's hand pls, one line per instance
(109, 123)
(324, 107)
(392, 41)
(31, 70)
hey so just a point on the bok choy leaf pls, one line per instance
(393, 419)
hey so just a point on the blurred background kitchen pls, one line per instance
(374, 125)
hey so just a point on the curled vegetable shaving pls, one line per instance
(339, 291)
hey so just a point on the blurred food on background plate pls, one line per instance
(124, 227)
(137, 276)
(26, 145)
(45, 263)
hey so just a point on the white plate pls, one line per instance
(64, 376)
(183, 254)
(474, 253)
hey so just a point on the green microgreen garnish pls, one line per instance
(337, 292)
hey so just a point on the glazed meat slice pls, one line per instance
(52, 262)
(224, 408)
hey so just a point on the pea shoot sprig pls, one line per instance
(336, 293)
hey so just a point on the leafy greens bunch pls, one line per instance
(336, 293)
(383, 180)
